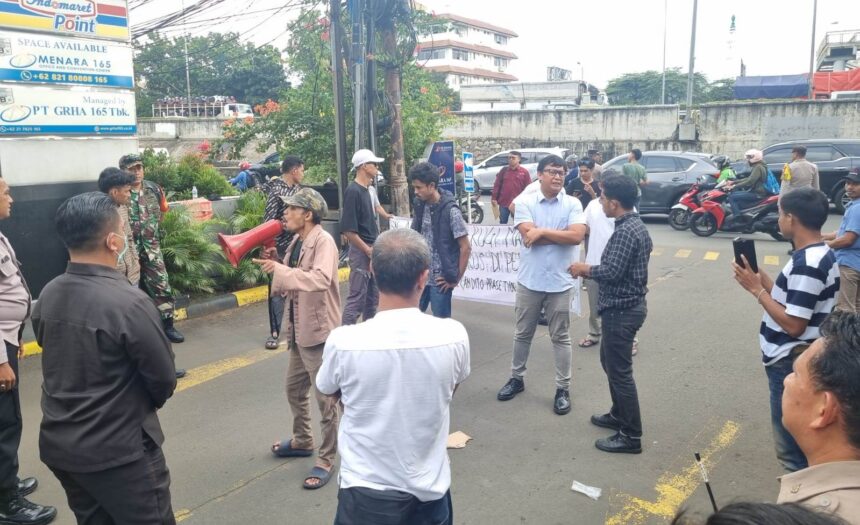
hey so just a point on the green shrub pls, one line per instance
(178, 178)
(191, 256)
(246, 275)
(250, 210)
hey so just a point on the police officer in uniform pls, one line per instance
(14, 310)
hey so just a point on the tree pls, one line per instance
(636, 89)
(219, 65)
(301, 122)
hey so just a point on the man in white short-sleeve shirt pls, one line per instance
(551, 223)
(396, 374)
(600, 229)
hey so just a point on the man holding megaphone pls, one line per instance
(308, 280)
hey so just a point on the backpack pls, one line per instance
(771, 183)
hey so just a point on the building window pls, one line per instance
(461, 31)
(431, 54)
(501, 62)
(460, 54)
(501, 39)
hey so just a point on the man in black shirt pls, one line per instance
(107, 367)
(622, 276)
(358, 224)
(585, 187)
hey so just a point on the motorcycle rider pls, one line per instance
(754, 185)
(725, 167)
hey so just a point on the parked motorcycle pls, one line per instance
(715, 214)
(679, 215)
(477, 208)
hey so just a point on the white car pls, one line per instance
(486, 171)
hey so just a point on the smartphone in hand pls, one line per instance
(745, 247)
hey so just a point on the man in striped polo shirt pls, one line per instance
(795, 305)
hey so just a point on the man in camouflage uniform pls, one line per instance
(145, 210)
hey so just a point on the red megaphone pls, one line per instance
(236, 246)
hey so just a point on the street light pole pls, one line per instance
(690, 75)
(812, 50)
(665, 26)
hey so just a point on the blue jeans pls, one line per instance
(740, 200)
(787, 450)
(504, 214)
(438, 301)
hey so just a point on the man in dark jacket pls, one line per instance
(107, 367)
(751, 190)
(438, 219)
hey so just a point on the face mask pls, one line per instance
(121, 254)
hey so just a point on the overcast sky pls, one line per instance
(610, 37)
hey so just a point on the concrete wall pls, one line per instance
(182, 135)
(729, 129)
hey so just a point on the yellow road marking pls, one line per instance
(712, 256)
(182, 514)
(252, 295)
(32, 348)
(683, 254)
(657, 252)
(343, 275)
(180, 314)
(211, 371)
(673, 489)
(772, 260)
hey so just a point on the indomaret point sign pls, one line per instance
(91, 18)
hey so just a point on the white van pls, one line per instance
(845, 95)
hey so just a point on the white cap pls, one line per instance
(363, 156)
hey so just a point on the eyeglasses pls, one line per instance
(554, 172)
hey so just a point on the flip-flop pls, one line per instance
(587, 343)
(319, 473)
(283, 450)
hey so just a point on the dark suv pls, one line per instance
(835, 159)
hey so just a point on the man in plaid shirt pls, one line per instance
(623, 277)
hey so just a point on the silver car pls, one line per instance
(670, 175)
(486, 171)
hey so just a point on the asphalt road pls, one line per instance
(702, 389)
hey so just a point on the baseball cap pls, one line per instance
(309, 199)
(363, 156)
(127, 161)
(854, 176)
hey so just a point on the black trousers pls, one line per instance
(10, 430)
(616, 357)
(363, 506)
(137, 493)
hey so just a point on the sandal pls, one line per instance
(587, 343)
(635, 347)
(284, 449)
(317, 473)
(272, 343)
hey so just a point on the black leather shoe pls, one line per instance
(562, 402)
(27, 486)
(619, 443)
(606, 421)
(19, 510)
(180, 373)
(513, 387)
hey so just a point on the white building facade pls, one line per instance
(467, 51)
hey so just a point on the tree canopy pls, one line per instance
(637, 89)
(220, 64)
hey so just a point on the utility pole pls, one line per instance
(665, 29)
(812, 50)
(356, 9)
(399, 187)
(690, 73)
(336, 34)
(187, 67)
(370, 69)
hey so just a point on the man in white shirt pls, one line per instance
(600, 228)
(396, 374)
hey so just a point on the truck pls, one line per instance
(224, 107)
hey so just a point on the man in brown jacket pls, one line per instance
(821, 410)
(309, 282)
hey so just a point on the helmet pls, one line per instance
(721, 161)
(245, 165)
(754, 155)
(571, 159)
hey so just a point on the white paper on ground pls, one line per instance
(458, 440)
(592, 492)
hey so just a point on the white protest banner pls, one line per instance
(29, 57)
(491, 276)
(36, 110)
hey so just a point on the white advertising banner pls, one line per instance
(36, 110)
(31, 57)
(491, 276)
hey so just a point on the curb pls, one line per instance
(212, 305)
